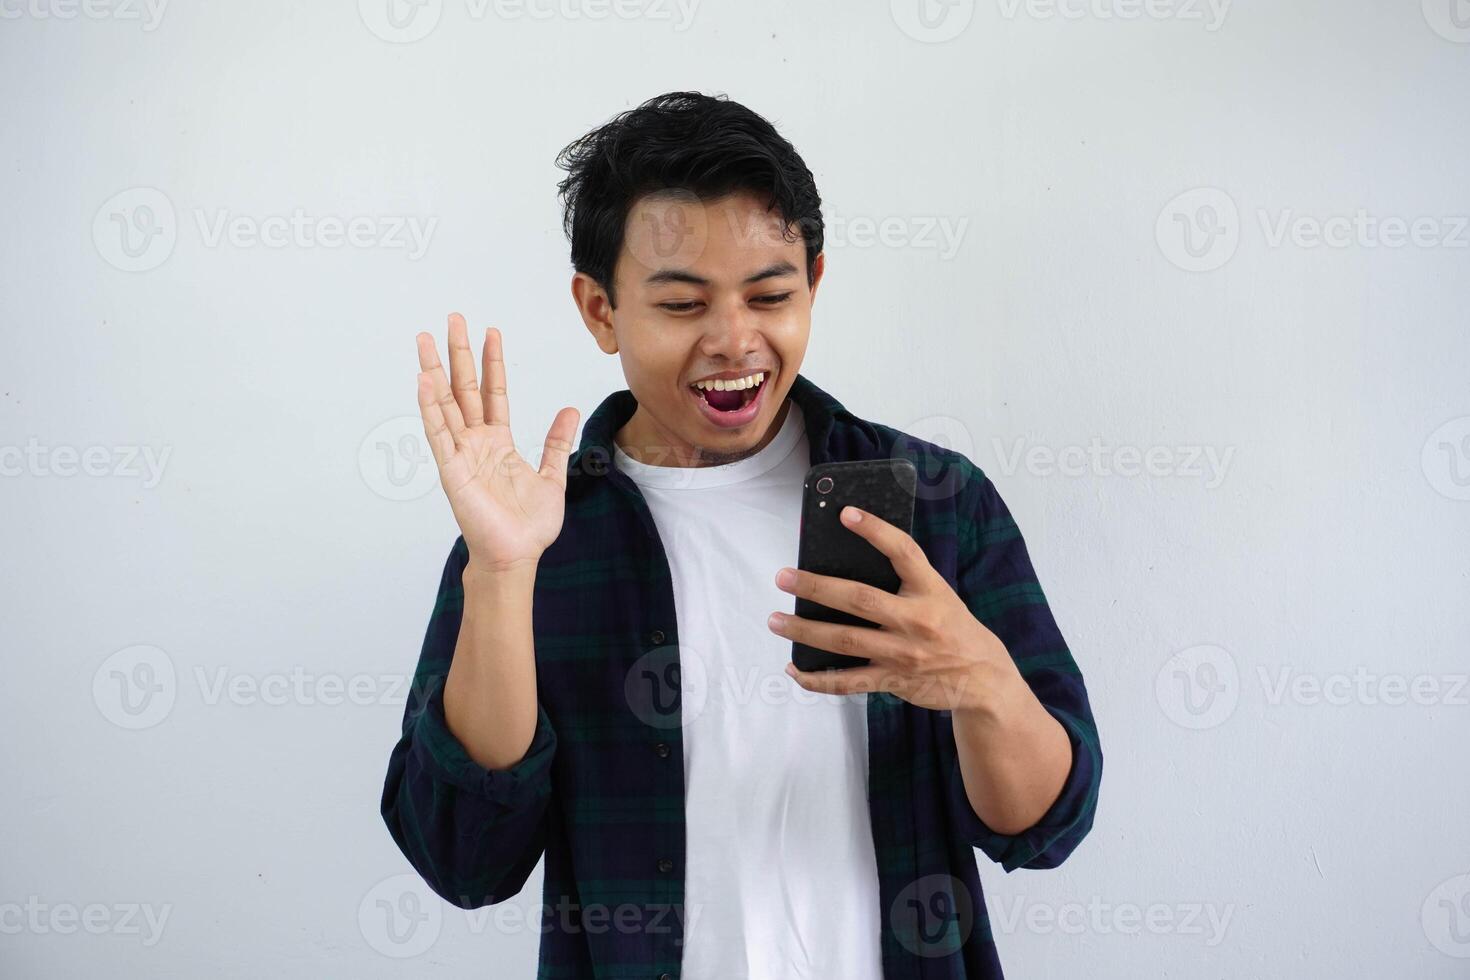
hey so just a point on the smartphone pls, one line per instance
(884, 487)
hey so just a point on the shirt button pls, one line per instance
(662, 749)
(657, 636)
(665, 865)
(665, 976)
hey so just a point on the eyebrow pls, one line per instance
(772, 271)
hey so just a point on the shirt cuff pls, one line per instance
(444, 757)
(1046, 843)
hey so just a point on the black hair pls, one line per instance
(705, 145)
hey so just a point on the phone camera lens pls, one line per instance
(824, 485)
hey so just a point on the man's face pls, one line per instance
(703, 289)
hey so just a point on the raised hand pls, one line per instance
(508, 512)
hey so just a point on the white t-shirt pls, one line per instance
(781, 880)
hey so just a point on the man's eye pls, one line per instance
(678, 307)
(772, 299)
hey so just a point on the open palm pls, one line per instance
(508, 512)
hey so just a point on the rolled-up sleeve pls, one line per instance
(999, 585)
(473, 834)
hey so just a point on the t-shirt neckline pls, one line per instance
(704, 477)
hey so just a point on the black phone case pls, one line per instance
(884, 487)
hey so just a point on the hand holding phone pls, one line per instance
(882, 487)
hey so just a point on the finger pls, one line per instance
(493, 395)
(462, 372)
(559, 445)
(852, 680)
(443, 395)
(909, 560)
(852, 641)
(859, 598)
(441, 443)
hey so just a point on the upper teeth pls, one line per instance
(734, 384)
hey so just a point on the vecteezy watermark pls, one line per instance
(1207, 921)
(1446, 917)
(395, 462)
(670, 686)
(1198, 687)
(928, 443)
(1285, 684)
(143, 463)
(137, 230)
(144, 920)
(1362, 229)
(665, 690)
(942, 234)
(400, 917)
(1445, 459)
(933, 916)
(408, 233)
(407, 21)
(1200, 230)
(1208, 464)
(1450, 19)
(137, 687)
(148, 12)
(1210, 13)
(932, 21)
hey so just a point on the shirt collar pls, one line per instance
(823, 414)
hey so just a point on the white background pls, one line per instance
(1324, 832)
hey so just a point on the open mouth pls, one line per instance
(730, 399)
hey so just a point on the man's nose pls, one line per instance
(731, 332)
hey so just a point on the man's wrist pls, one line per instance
(491, 582)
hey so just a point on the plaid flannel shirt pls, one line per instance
(600, 791)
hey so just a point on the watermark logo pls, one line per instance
(136, 230)
(1446, 917)
(135, 688)
(1445, 459)
(400, 917)
(932, 21)
(933, 916)
(668, 228)
(395, 461)
(1199, 687)
(1199, 230)
(939, 477)
(665, 690)
(1450, 19)
(401, 21)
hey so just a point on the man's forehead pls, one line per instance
(675, 230)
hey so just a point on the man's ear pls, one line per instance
(819, 264)
(596, 309)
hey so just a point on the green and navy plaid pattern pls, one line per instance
(601, 790)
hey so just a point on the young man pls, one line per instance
(600, 683)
